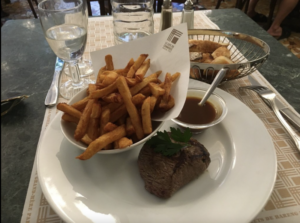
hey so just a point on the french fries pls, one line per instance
(140, 73)
(138, 99)
(129, 127)
(122, 143)
(110, 77)
(69, 110)
(167, 86)
(131, 81)
(80, 105)
(102, 141)
(109, 62)
(136, 65)
(113, 98)
(146, 116)
(109, 127)
(128, 66)
(93, 128)
(69, 118)
(86, 139)
(100, 75)
(117, 109)
(103, 92)
(92, 88)
(82, 126)
(132, 111)
(156, 90)
(104, 119)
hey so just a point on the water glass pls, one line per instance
(132, 19)
(85, 66)
(64, 23)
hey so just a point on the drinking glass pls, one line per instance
(85, 66)
(132, 19)
(64, 23)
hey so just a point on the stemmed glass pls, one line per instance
(85, 67)
(64, 23)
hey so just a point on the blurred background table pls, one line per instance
(27, 66)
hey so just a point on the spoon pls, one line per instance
(213, 86)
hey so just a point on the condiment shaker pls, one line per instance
(166, 15)
(188, 14)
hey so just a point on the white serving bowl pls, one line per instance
(219, 105)
(68, 130)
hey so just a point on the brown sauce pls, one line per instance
(193, 113)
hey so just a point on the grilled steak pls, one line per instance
(163, 175)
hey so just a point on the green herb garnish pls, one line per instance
(162, 141)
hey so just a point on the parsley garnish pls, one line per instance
(162, 142)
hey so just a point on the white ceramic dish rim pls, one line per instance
(257, 202)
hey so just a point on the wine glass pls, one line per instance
(85, 66)
(64, 23)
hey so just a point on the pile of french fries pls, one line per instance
(205, 51)
(117, 109)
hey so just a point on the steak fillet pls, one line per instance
(164, 175)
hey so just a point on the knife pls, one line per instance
(52, 95)
(286, 112)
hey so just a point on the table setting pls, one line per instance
(254, 170)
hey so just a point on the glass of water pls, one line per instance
(64, 23)
(85, 66)
(132, 19)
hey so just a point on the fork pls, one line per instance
(270, 96)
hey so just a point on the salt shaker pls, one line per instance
(188, 14)
(166, 15)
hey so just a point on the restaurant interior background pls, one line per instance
(20, 9)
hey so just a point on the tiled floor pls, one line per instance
(19, 9)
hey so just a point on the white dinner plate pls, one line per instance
(236, 186)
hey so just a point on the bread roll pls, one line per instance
(222, 60)
(204, 46)
(201, 57)
(221, 51)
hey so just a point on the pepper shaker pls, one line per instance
(166, 15)
(188, 14)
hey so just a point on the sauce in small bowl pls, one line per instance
(205, 113)
(197, 117)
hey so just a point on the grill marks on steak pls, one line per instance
(163, 175)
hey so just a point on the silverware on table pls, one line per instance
(213, 86)
(286, 112)
(270, 96)
(52, 95)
